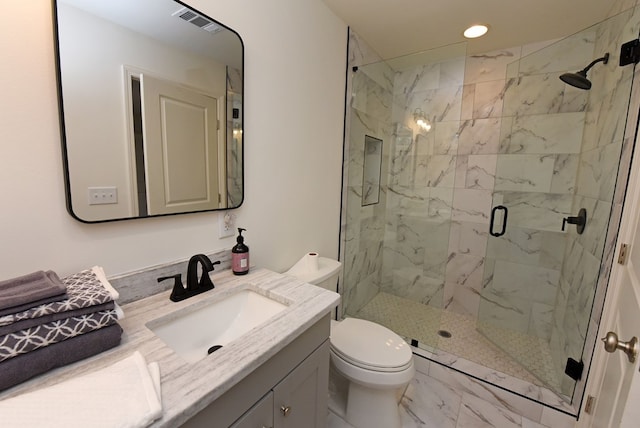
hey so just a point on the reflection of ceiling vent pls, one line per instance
(197, 20)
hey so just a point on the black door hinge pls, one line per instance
(574, 369)
(630, 52)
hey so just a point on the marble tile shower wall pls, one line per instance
(491, 144)
(604, 133)
(422, 179)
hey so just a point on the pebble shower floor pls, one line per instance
(414, 320)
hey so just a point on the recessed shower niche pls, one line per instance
(371, 170)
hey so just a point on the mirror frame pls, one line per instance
(63, 136)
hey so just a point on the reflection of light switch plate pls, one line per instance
(103, 195)
(226, 223)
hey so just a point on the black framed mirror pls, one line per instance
(151, 109)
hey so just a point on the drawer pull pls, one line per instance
(285, 410)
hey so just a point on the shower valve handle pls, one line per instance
(572, 220)
(580, 221)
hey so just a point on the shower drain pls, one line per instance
(444, 333)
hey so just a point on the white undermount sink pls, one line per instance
(192, 333)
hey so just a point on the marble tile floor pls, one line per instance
(438, 397)
(428, 403)
(414, 320)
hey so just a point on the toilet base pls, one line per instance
(372, 408)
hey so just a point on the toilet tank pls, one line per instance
(316, 270)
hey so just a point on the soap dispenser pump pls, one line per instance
(240, 255)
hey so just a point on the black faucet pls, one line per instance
(192, 273)
(194, 286)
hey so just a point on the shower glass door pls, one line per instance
(559, 152)
(396, 249)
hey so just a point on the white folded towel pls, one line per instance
(125, 394)
(119, 311)
(99, 273)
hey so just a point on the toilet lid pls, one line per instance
(369, 345)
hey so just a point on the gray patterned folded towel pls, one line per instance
(84, 289)
(23, 367)
(24, 292)
(27, 340)
(32, 322)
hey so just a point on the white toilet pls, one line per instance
(377, 363)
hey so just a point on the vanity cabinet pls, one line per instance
(299, 400)
(290, 390)
(259, 416)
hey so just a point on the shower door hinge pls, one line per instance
(574, 369)
(588, 406)
(622, 254)
(630, 52)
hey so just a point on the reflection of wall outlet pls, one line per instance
(226, 223)
(103, 195)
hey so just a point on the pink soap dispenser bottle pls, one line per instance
(240, 255)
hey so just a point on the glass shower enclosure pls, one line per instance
(460, 174)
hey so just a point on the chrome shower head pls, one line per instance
(579, 79)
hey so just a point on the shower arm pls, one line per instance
(604, 59)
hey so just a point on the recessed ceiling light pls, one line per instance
(475, 31)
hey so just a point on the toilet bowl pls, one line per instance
(376, 362)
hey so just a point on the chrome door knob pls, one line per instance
(611, 344)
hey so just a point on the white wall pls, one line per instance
(295, 54)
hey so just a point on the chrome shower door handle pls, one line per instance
(612, 344)
(504, 220)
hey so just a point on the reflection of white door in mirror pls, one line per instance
(180, 133)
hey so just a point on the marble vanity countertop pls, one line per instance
(188, 388)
